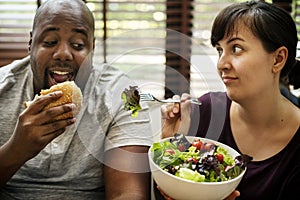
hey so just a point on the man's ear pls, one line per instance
(94, 40)
(30, 41)
(280, 57)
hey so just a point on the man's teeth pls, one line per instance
(60, 73)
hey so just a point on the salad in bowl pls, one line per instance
(200, 168)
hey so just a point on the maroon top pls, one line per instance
(275, 178)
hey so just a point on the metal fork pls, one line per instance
(150, 97)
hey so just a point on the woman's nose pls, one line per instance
(63, 52)
(223, 62)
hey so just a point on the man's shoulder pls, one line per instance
(108, 69)
(14, 66)
(106, 74)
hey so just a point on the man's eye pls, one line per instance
(50, 43)
(77, 46)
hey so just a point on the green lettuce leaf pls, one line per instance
(131, 100)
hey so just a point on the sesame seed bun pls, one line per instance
(71, 94)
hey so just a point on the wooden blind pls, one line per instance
(178, 46)
(151, 40)
(203, 72)
(296, 14)
(131, 36)
(16, 18)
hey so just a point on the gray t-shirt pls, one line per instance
(71, 166)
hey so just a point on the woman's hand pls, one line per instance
(164, 194)
(176, 116)
(232, 196)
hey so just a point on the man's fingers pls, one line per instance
(40, 102)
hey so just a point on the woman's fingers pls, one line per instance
(164, 194)
(233, 195)
(176, 116)
(170, 110)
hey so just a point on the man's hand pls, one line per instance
(32, 133)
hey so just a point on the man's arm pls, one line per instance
(127, 173)
(33, 131)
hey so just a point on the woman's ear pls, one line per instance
(280, 57)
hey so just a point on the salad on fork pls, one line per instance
(132, 98)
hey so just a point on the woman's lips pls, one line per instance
(228, 79)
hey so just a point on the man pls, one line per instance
(99, 154)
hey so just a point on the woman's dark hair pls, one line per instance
(272, 25)
(294, 76)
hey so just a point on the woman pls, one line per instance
(256, 43)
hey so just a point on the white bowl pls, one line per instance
(182, 189)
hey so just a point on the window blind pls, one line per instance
(151, 40)
(16, 18)
(178, 46)
(203, 70)
(296, 14)
(133, 34)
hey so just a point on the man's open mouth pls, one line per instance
(60, 76)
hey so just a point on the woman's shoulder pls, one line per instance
(216, 98)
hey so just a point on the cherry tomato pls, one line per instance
(194, 160)
(208, 146)
(227, 168)
(197, 144)
(180, 147)
(219, 157)
(170, 151)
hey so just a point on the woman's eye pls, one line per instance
(237, 49)
(220, 51)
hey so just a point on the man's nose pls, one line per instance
(63, 52)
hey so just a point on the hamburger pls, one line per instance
(71, 94)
